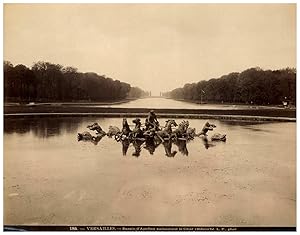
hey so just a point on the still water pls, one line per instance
(51, 178)
(158, 102)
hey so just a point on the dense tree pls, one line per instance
(52, 82)
(21, 83)
(253, 85)
(137, 92)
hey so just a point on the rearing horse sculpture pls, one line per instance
(95, 127)
(125, 131)
(167, 131)
(181, 130)
(137, 132)
(87, 136)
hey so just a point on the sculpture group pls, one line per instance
(151, 130)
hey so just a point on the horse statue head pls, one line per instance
(190, 133)
(137, 122)
(125, 123)
(125, 129)
(95, 127)
(113, 130)
(170, 122)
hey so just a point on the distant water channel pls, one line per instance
(163, 103)
(51, 178)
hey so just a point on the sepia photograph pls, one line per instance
(149, 117)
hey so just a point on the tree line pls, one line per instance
(46, 81)
(252, 86)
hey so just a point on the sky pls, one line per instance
(157, 47)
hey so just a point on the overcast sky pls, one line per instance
(157, 47)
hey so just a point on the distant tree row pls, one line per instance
(137, 92)
(46, 81)
(253, 85)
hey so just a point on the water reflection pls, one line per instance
(148, 144)
(182, 146)
(42, 127)
(93, 139)
(168, 149)
(207, 144)
(125, 146)
(66, 127)
(248, 125)
(137, 147)
(151, 145)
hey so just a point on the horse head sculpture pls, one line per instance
(125, 130)
(95, 127)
